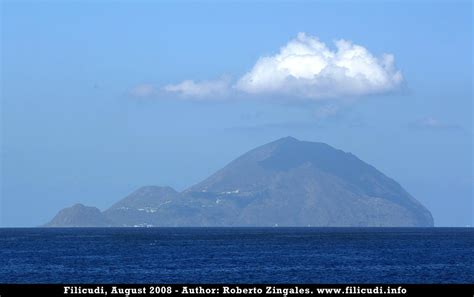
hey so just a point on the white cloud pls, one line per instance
(143, 90)
(208, 89)
(305, 67)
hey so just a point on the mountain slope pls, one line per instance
(283, 183)
(147, 206)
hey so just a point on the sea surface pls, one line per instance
(237, 255)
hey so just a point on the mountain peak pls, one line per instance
(147, 190)
(287, 139)
(79, 215)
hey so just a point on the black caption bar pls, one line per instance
(83, 290)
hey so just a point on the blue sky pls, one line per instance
(87, 115)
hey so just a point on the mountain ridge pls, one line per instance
(286, 182)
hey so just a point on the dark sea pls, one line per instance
(237, 255)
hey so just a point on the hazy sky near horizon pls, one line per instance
(100, 98)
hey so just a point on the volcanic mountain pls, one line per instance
(283, 183)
